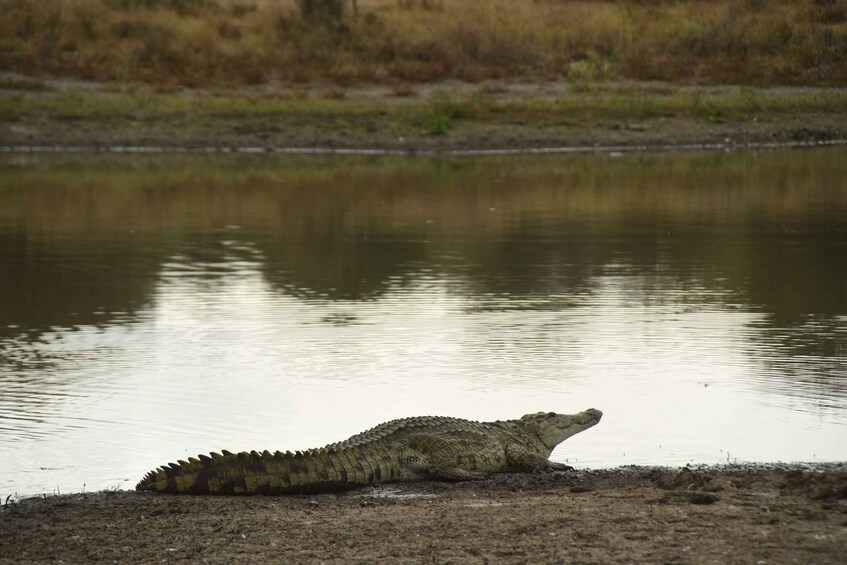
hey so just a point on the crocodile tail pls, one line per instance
(317, 470)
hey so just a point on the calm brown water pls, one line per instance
(156, 308)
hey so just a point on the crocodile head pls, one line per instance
(554, 428)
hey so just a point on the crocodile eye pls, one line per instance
(551, 414)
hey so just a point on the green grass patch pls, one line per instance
(144, 105)
(443, 109)
(439, 114)
(27, 85)
(641, 105)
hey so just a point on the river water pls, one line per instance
(153, 308)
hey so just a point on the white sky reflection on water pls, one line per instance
(291, 374)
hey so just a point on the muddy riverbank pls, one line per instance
(733, 514)
(299, 136)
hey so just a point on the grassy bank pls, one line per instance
(437, 112)
(238, 42)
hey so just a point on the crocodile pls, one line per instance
(408, 449)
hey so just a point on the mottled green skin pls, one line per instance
(399, 450)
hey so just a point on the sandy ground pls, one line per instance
(733, 514)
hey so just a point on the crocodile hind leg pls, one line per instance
(447, 459)
(455, 474)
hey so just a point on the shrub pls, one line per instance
(322, 11)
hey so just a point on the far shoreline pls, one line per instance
(447, 118)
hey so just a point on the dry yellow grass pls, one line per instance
(236, 42)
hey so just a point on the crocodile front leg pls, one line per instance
(523, 459)
(553, 466)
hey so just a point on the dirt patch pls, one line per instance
(635, 514)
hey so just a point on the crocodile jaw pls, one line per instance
(554, 428)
